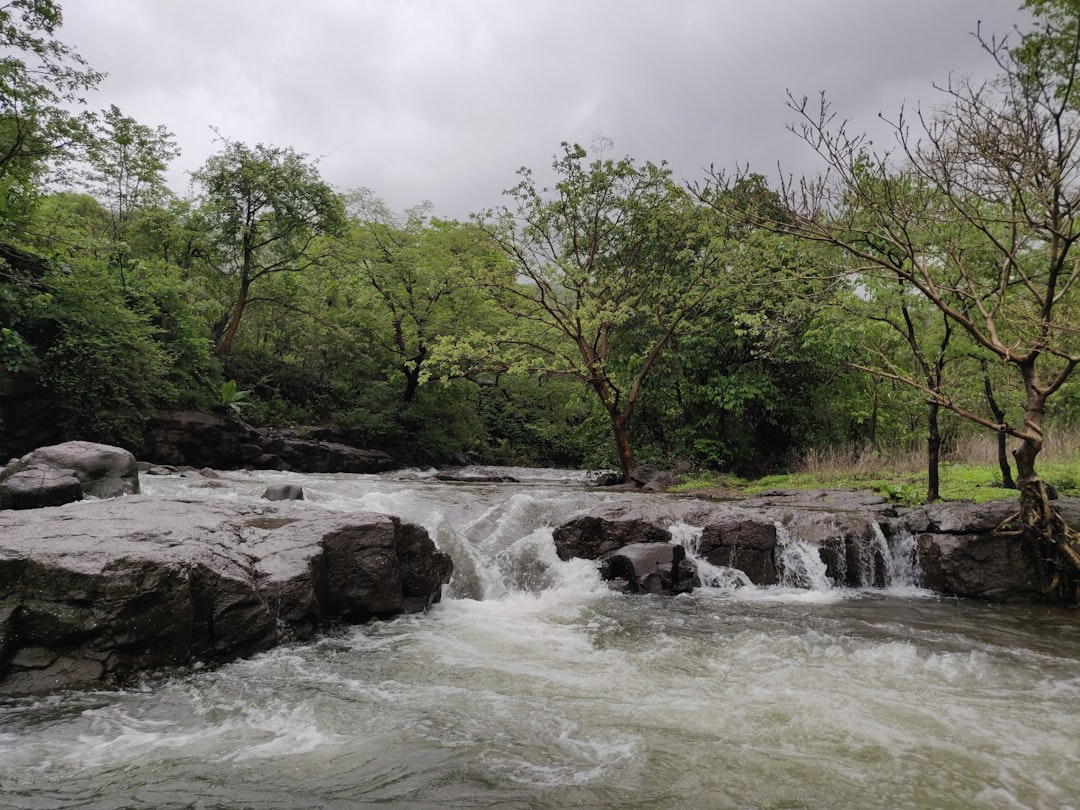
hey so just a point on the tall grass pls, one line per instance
(977, 450)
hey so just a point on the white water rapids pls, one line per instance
(531, 685)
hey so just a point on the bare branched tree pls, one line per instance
(977, 210)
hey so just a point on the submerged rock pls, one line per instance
(95, 593)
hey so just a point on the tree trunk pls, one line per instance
(234, 322)
(411, 369)
(999, 417)
(1055, 546)
(933, 453)
(622, 444)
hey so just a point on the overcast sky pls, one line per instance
(444, 100)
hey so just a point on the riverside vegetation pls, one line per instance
(619, 316)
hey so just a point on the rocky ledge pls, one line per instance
(860, 539)
(96, 592)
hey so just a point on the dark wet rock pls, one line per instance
(195, 439)
(652, 478)
(962, 549)
(743, 543)
(209, 440)
(606, 479)
(592, 536)
(289, 452)
(283, 492)
(984, 566)
(27, 414)
(43, 477)
(95, 593)
(471, 478)
(657, 568)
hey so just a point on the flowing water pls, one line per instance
(533, 686)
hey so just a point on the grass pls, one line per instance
(968, 473)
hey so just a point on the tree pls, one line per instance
(41, 80)
(419, 274)
(602, 271)
(126, 162)
(267, 207)
(977, 213)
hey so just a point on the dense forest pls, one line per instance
(617, 316)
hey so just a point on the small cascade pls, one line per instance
(508, 549)
(902, 562)
(799, 562)
(708, 575)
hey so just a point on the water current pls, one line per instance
(532, 685)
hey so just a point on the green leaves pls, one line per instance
(230, 397)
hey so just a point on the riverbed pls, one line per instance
(532, 685)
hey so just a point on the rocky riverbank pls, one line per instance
(96, 592)
(961, 549)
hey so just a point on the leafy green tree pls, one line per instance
(126, 163)
(415, 281)
(603, 270)
(267, 208)
(41, 83)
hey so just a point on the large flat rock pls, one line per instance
(93, 593)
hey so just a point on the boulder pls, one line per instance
(197, 439)
(284, 492)
(653, 479)
(94, 593)
(226, 443)
(282, 450)
(44, 476)
(657, 568)
(38, 485)
(591, 537)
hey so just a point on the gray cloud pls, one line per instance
(445, 99)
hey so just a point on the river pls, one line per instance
(531, 685)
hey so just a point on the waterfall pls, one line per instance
(902, 561)
(879, 563)
(709, 575)
(799, 562)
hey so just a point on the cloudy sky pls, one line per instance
(444, 100)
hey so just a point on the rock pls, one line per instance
(657, 568)
(605, 479)
(43, 476)
(38, 485)
(299, 454)
(284, 492)
(208, 440)
(593, 536)
(470, 478)
(956, 545)
(652, 479)
(743, 543)
(27, 414)
(94, 593)
(983, 566)
(197, 440)
(960, 518)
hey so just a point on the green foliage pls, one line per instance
(101, 361)
(15, 353)
(266, 208)
(231, 397)
(41, 82)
